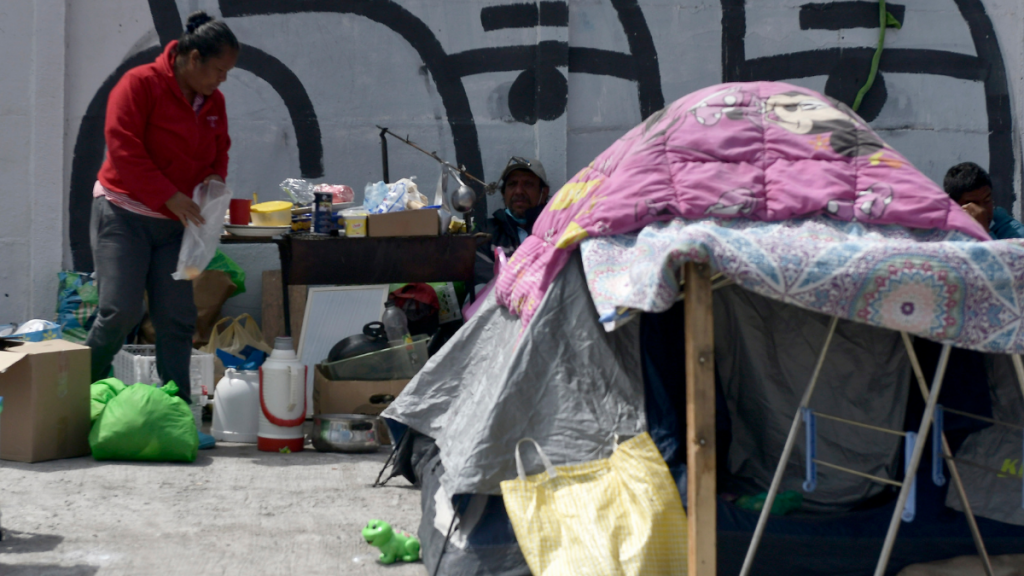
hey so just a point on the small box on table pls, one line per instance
(425, 222)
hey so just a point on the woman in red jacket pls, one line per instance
(166, 132)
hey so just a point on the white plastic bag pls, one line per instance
(300, 191)
(373, 195)
(395, 200)
(399, 196)
(200, 242)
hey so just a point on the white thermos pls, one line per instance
(282, 400)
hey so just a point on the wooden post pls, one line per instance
(700, 421)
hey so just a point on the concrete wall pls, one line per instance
(32, 210)
(478, 81)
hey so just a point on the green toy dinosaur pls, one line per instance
(404, 547)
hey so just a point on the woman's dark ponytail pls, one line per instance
(195, 20)
(207, 35)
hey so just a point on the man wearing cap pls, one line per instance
(524, 188)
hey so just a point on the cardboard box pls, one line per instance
(45, 386)
(405, 223)
(368, 397)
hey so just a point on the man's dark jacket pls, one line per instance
(504, 232)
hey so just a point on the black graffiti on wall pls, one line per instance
(540, 91)
(847, 68)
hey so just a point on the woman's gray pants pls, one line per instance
(134, 254)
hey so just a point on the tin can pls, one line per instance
(322, 221)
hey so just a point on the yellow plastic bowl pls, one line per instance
(277, 213)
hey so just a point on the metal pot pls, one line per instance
(346, 433)
(463, 198)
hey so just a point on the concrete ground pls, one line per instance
(234, 511)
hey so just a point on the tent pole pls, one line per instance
(748, 562)
(915, 459)
(700, 421)
(979, 543)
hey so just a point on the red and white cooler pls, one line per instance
(282, 400)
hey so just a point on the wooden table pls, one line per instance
(310, 259)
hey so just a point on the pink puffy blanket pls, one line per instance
(763, 150)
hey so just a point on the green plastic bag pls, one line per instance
(228, 266)
(144, 422)
(785, 503)
(102, 392)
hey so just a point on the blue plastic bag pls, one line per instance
(373, 195)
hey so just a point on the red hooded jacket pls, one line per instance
(156, 143)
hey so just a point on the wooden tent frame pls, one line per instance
(700, 434)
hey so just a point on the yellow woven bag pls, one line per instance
(618, 516)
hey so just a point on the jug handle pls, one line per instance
(281, 421)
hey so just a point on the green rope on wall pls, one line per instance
(885, 20)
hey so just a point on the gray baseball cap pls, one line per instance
(531, 165)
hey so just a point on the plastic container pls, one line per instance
(282, 396)
(277, 213)
(236, 409)
(355, 223)
(136, 364)
(394, 363)
(395, 323)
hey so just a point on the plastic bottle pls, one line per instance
(396, 324)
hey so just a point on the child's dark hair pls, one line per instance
(207, 35)
(963, 178)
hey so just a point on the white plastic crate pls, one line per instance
(137, 364)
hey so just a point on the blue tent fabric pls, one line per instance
(845, 543)
(663, 359)
(849, 544)
(964, 387)
(490, 547)
(827, 544)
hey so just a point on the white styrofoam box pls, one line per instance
(137, 364)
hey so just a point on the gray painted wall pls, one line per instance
(430, 69)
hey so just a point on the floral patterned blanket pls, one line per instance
(942, 285)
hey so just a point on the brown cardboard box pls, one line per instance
(369, 397)
(405, 223)
(45, 386)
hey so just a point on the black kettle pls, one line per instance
(373, 339)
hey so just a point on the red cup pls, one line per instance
(239, 211)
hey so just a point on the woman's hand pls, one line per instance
(185, 209)
(213, 177)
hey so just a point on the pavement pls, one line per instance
(234, 511)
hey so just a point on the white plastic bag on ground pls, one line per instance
(200, 242)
